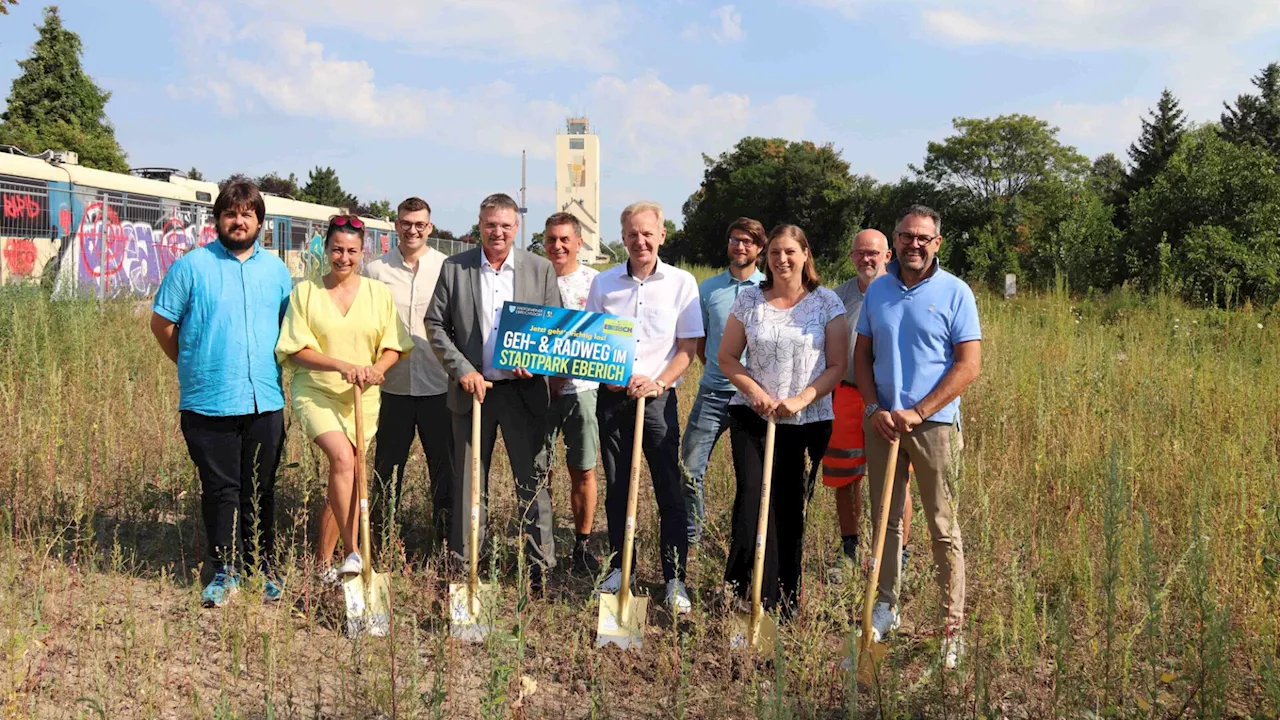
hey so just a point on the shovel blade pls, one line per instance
(610, 630)
(471, 616)
(368, 605)
(740, 637)
(870, 655)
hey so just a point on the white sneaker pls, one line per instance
(351, 566)
(612, 583)
(678, 598)
(952, 650)
(884, 620)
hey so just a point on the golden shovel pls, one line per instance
(623, 615)
(368, 594)
(471, 606)
(755, 629)
(870, 653)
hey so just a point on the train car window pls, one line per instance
(268, 236)
(143, 209)
(298, 235)
(25, 209)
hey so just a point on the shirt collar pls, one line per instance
(508, 264)
(754, 278)
(217, 247)
(895, 269)
(657, 270)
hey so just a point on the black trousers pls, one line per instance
(791, 486)
(616, 413)
(505, 407)
(237, 457)
(398, 418)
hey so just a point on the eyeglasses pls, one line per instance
(344, 220)
(741, 241)
(868, 254)
(419, 226)
(910, 239)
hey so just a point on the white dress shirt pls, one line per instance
(497, 286)
(420, 374)
(664, 305)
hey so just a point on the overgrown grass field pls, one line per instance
(1120, 504)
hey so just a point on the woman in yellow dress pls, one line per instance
(340, 331)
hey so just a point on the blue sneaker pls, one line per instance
(219, 590)
(272, 590)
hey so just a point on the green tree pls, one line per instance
(1255, 119)
(4, 6)
(1161, 130)
(774, 181)
(1207, 223)
(276, 185)
(53, 104)
(234, 178)
(380, 209)
(991, 174)
(194, 174)
(324, 188)
(1107, 178)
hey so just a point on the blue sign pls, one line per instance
(566, 343)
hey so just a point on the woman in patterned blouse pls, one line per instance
(797, 347)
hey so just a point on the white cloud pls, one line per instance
(1097, 128)
(653, 126)
(847, 8)
(730, 30)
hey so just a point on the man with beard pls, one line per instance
(844, 464)
(919, 346)
(217, 315)
(709, 416)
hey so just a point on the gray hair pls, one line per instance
(499, 201)
(923, 211)
(636, 208)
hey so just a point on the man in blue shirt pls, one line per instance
(217, 315)
(707, 419)
(919, 346)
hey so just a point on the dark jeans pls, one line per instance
(398, 418)
(661, 444)
(237, 458)
(790, 489)
(523, 431)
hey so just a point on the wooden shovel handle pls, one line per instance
(362, 488)
(633, 492)
(473, 508)
(762, 532)
(882, 526)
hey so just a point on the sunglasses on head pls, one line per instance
(344, 220)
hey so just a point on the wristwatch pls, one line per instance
(660, 384)
(871, 410)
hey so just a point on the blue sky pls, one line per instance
(437, 97)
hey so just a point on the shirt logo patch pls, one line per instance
(930, 308)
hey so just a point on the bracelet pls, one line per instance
(871, 410)
(660, 384)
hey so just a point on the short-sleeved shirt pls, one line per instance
(420, 374)
(914, 332)
(851, 295)
(228, 315)
(787, 349)
(574, 288)
(717, 295)
(664, 305)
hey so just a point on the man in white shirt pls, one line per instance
(573, 402)
(664, 302)
(462, 328)
(413, 394)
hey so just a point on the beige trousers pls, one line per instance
(933, 450)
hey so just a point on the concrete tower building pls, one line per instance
(578, 182)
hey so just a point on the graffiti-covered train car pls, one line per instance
(110, 234)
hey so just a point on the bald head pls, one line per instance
(870, 254)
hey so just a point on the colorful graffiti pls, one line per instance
(20, 206)
(118, 258)
(20, 256)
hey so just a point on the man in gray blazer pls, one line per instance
(462, 326)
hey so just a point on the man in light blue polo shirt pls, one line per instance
(217, 315)
(919, 346)
(707, 419)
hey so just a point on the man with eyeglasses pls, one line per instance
(709, 416)
(919, 346)
(462, 324)
(414, 392)
(844, 464)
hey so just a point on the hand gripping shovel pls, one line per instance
(471, 606)
(622, 615)
(368, 594)
(755, 629)
(870, 653)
